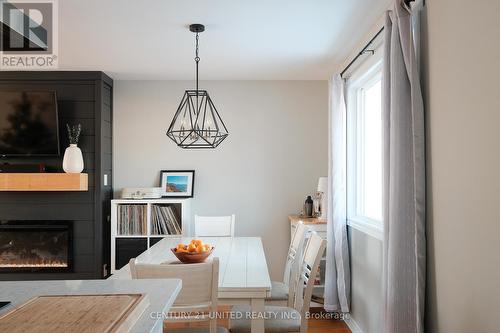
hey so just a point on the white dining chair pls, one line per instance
(200, 284)
(281, 318)
(282, 292)
(214, 226)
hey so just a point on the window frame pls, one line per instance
(365, 74)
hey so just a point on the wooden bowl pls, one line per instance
(192, 258)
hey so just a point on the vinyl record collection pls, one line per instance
(164, 221)
(132, 219)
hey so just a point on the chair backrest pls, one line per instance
(294, 259)
(214, 226)
(305, 283)
(199, 291)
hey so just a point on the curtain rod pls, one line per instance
(363, 51)
(365, 48)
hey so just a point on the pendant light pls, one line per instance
(197, 124)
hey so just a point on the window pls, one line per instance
(369, 151)
(364, 148)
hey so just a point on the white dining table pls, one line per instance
(243, 274)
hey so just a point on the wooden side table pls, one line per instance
(315, 223)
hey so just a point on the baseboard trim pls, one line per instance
(352, 324)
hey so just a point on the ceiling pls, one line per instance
(244, 40)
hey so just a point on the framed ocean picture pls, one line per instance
(177, 183)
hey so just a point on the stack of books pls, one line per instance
(132, 219)
(164, 221)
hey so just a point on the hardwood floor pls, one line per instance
(315, 325)
(327, 326)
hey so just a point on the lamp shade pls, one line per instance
(323, 184)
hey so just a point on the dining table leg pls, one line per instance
(258, 321)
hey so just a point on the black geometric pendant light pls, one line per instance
(197, 124)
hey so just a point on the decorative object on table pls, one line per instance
(316, 204)
(197, 124)
(323, 194)
(308, 207)
(177, 183)
(73, 158)
(194, 252)
(141, 193)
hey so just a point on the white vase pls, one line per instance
(73, 159)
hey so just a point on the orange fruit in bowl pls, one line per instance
(197, 242)
(200, 249)
(181, 246)
(207, 247)
(191, 247)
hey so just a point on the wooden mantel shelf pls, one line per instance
(43, 182)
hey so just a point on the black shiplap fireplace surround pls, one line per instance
(84, 98)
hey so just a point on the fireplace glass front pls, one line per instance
(35, 246)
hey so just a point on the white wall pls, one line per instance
(276, 150)
(366, 280)
(462, 72)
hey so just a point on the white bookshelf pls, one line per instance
(182, 207)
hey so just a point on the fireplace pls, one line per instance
(37, 246)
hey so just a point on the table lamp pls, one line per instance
(323, 191)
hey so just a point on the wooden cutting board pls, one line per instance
(76, 313)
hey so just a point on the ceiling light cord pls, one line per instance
(197, 60)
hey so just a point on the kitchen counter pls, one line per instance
(161, 293)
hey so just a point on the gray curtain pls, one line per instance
(337, 273)
(404, 178)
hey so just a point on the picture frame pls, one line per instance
(177, 183)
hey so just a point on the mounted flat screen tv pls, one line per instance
(28, 123)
